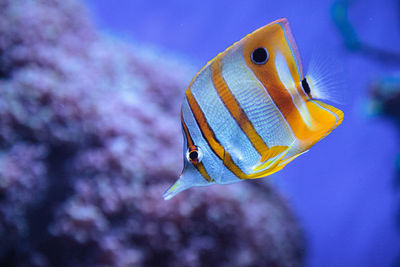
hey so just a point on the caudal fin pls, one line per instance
(325, 77)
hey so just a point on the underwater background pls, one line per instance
(90, 138)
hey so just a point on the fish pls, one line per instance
(250, 111)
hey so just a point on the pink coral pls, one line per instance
(90, 138)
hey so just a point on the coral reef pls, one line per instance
(89, 140)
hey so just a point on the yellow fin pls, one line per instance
(269, 158)
(273, 152)
(275, 164)
(286, 161)
(266, 172)
(277, 167)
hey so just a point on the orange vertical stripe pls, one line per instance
(200, 166)
(272, 37)
(209, 136)
(234, 108)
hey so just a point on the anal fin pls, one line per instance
(270, 157)
(273, 164)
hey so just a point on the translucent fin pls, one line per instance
(177, 187)
(287, 161)
(325, 77)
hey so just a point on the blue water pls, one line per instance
(342, 190)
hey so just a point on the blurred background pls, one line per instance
(90, 138)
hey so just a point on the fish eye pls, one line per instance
(194, 154)
(259, 56)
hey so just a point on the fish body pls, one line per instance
(250, 111)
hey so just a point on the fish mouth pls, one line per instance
(176, 188)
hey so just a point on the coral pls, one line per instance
(340, 15)
(89, 140)
(385, 96)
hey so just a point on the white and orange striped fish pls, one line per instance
(250, 111)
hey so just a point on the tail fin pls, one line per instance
(325, 76)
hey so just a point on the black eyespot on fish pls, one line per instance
(305, 86)
(259, 56)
